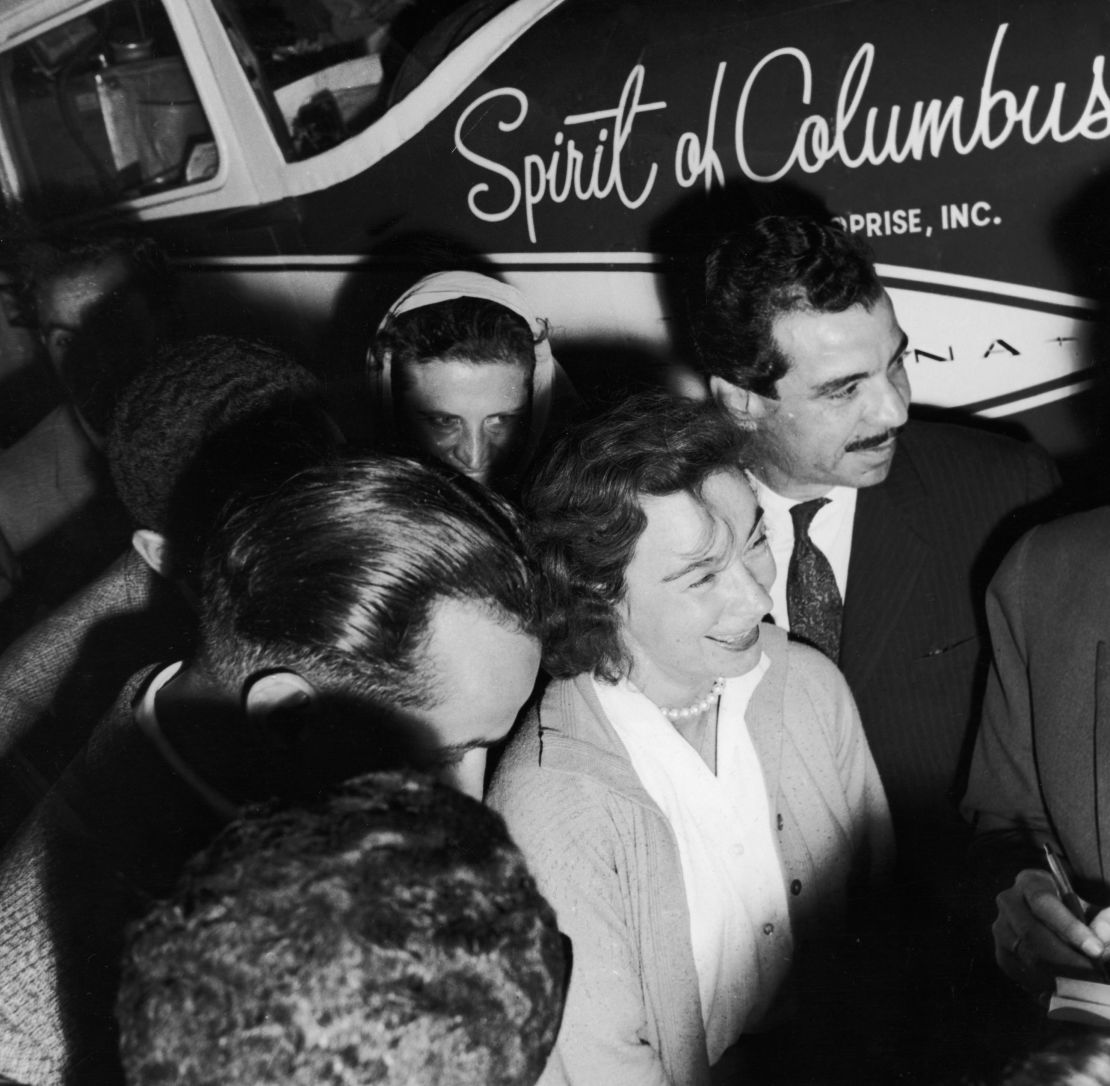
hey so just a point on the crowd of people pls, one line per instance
(671, 741)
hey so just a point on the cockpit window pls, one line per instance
(325, 70)
(103, 108)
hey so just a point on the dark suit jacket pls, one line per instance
(914, 646)
(1042, 760)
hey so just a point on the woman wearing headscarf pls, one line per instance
(461, 369)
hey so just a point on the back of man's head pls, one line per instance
(388, 934)
(779, 265)
(178, 419)
(336, 576)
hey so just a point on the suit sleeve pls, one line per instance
(1043, 476)
(857, 777)
(867, 800)
(603, 1036)
(1003, 796)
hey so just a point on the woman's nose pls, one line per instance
(747, 591)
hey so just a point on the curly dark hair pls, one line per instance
(190, 393)
(585, 515)
(390, 933)
(781, 264)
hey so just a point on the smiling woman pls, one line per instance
(461, 371)
(694, 793)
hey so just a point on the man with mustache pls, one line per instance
(801, 343)
(885, 531)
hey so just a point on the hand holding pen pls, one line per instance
(1044, 929)
(1075, 904)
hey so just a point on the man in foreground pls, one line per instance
(367, 615)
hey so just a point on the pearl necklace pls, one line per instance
(699, 706)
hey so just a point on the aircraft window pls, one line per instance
(102, 108)
(326, 69)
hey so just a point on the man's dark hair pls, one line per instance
(390, 933)
(62, 254)
(586, 517)
(780, 265)
(336, 574)
(192, 392)
(459, 330)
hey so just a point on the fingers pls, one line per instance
(1036, 937)
(1100, 925)
(1062, 923)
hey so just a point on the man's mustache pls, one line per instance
(872, 442)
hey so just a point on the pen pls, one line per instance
(1063, 884)
(1068, 895)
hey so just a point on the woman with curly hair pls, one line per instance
(694, 792)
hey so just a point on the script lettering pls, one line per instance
(484, 163)
(566, 170)
(776, 130)
(875, 135)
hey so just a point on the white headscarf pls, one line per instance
(446, 287)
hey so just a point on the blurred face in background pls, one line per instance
(97, 328)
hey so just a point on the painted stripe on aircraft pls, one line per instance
(1067, 385)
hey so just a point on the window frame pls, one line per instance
(252, 169)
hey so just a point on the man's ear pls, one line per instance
(743, 405)
(280, 701)
(154, 549)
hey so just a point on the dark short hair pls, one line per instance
(61, 254)
(335, 576)
(391, 930)
(192, 392)
(782, 264)
(249, 459)
(473, 330)
(586, 517)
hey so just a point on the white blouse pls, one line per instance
(735, 891)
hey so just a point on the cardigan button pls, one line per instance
(768, 929)
(780, 821)
(796, 887)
